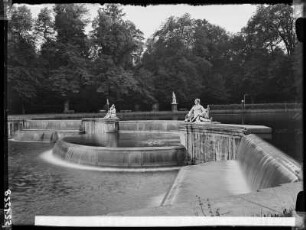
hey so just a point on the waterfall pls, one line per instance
(264, 165)
(124, 157)
(53, 124)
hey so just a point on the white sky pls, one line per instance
(148, 19)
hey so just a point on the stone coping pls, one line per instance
(53, 130)
(253, 128)
(147, 113)
(101, 119)
(215, 128)
(152, 121)
(220, 127)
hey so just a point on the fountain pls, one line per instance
(104, 145)
(205, 158)
(198, 113)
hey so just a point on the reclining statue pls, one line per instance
(198, 113)
(111, 112)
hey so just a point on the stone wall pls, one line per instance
(53, 124)
(151, 125)
(14, 126)
(210, 142)
(43, 135)
(100, 125)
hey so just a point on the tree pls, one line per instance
(271, 27)
(70, 68)
(116, 45)
(44, 26)
(269, 42)
(23, 73)
(187, 56)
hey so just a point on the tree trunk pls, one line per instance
(252, 100)
(66, 106)
(22, 107)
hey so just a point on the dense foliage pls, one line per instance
(54, 65)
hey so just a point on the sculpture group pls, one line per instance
(198, 113)
(111, 113)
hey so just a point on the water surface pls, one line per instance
(41, 188)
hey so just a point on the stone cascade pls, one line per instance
(100, 125)
(47, 130)
(53, 124)
(13, 126)
(43, 135)
(105, 131)
(264, 165)
(210, 142)
(151, 125)
(137, 157)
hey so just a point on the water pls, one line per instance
(42, 184)
(209, 180)
(264, 166)
(287, 127)
(127, 139)
(41, 188)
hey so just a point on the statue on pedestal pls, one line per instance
(111, 112)
(198, 113)
(174, 103)
(173, 98)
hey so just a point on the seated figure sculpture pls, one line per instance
(198, 113)
(111, 112)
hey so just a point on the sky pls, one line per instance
(149, 19)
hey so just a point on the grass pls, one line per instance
(210, 210)
(206, 209)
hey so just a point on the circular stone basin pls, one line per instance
(123, 149)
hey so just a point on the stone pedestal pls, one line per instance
(155, 107)
(174, 107)
(100, 125)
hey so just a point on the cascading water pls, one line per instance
(125, 150)
(264, 165)
(53, 124)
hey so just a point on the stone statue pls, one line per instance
(173, 98)
(111, 112)
(198, 113)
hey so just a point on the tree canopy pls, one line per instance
(53, 60)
